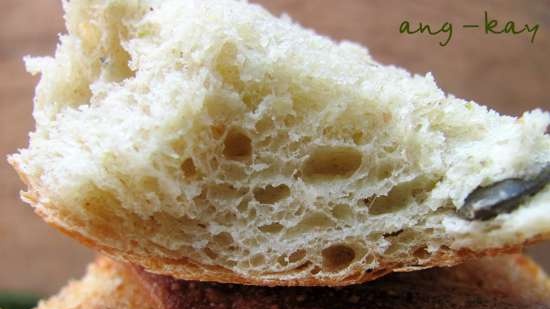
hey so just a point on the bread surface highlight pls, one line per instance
(507, 282)
(209, 140)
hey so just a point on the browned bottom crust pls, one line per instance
(505, 282)
(187, 269)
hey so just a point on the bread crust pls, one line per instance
(187, 269)
(506, 282)
(106, 285)
(503, 282)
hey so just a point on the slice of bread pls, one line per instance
(507, 282)
(210, 140)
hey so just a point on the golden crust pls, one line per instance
(187, 269)
(105, 285)
(510, 282)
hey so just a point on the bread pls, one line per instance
(209, 140)
(105, 285)
(505, 282)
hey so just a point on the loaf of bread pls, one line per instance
(106, 285)
(210, 140)
(507, 282)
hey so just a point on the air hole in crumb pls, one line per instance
(254, 93)
(297, 255)
(264, 143)
(294, 147)
(230, 263)
(224, 192)
(178, 145)
(421, 253)
(310, 222)
(118, 68)
(271, 228)
(209, 253)
(217, 130)
(237, 145)
(357, 137)
(384, 170)
(337, 257)
(342, 212)
(257, 260)
(243, 206)
(89, 34)
(264, 125)
(227, 66)
(282, 260)
(329, 163)
(226, 218)
(252, 214)
(374, 236)
(315, 270)
(201, 199)
(188, 168)
(369, 259)
(303, 266)
(369, 200)
(400, 241)
(299, 211)
(395, 249)
(222, 108)
(271, 194)
(232, 171)
(408, 236)
(290, 120)
(150, 184)
(223, 239)
(402, 195)
(392, 234)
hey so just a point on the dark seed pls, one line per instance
(485, 203)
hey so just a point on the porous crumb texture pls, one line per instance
(214, 133)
